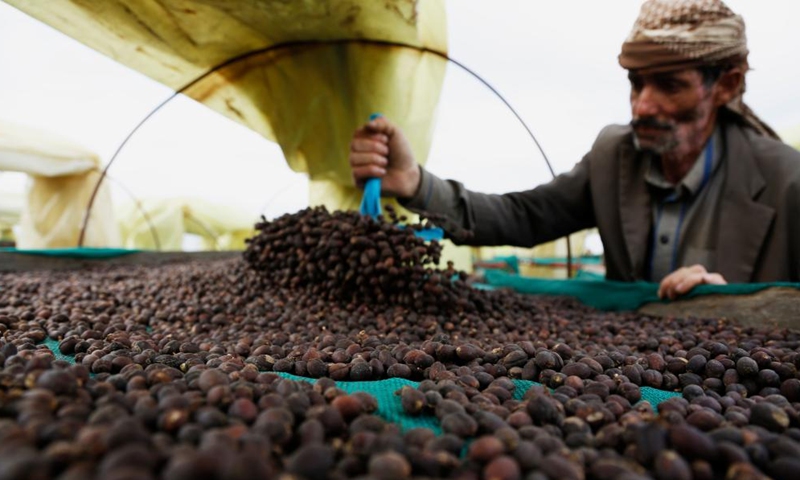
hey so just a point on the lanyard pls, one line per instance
(708, 163)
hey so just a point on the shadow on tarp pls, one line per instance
(610, 295)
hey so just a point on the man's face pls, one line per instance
(671, 111)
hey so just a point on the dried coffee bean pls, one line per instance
(769, 416)
(746, 367)
(502, 468)
(243, 409)
(413, 400)
(182, 353)
(390, 466)
(312, 461)
(349, 406)
(459, 424)
(317, 368)
(556, 466)
(485, 448)
(399, 370)
(544, 410)
(705, 420)
(691, 442)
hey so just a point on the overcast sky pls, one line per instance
(556, 62)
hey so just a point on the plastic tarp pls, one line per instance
(792, 137)
(160, 224)
(308, 95)
(613, 296)
(527, 267)
(556, 248)
(86, 253)
(62, 176)
(11, 205)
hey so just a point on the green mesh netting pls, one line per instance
(53, 346)
(655, 396)
(390, 407)
(613, 296)
(84, 252)
(651, 395)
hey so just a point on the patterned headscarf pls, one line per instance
(679, 34)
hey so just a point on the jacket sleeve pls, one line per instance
(793, 217)
(522, 219)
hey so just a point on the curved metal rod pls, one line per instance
(274, 197)
(153, 231)
(308, 43)
(206, 229)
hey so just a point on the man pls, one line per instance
(695, 190)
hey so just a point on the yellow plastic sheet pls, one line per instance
(327, 74)
(10, 212)
(309, 94)
(792, 137)
(62, 178)
(160, 224)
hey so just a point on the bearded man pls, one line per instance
(697, 189)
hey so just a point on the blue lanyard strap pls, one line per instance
(371, 201)
(707, 164)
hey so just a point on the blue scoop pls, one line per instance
(371, 204)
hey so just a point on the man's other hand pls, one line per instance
(380, 149)
(682, 280)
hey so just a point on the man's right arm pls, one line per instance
(525, 219)
(379, 149)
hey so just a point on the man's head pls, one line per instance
(675, 111)
(686, 59)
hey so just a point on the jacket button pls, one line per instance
(664, 239)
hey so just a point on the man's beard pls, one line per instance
(667, 143)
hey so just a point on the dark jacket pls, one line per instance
(758, 236)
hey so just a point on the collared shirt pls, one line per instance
(685, 214)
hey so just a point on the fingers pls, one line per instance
(696, 279)
(684, 279)
(366, 159)
(373, 143)
(714, 279)
(361, 174)
(366, 133)
(369, 150)
(380, 149)
(379, 129)
(367, 165)
(663, 288)
(686, 283)
(380, 125)
(668, 284)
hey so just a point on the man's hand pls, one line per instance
(684, 279)
(379, 149)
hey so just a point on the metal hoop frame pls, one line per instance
(288, 45)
